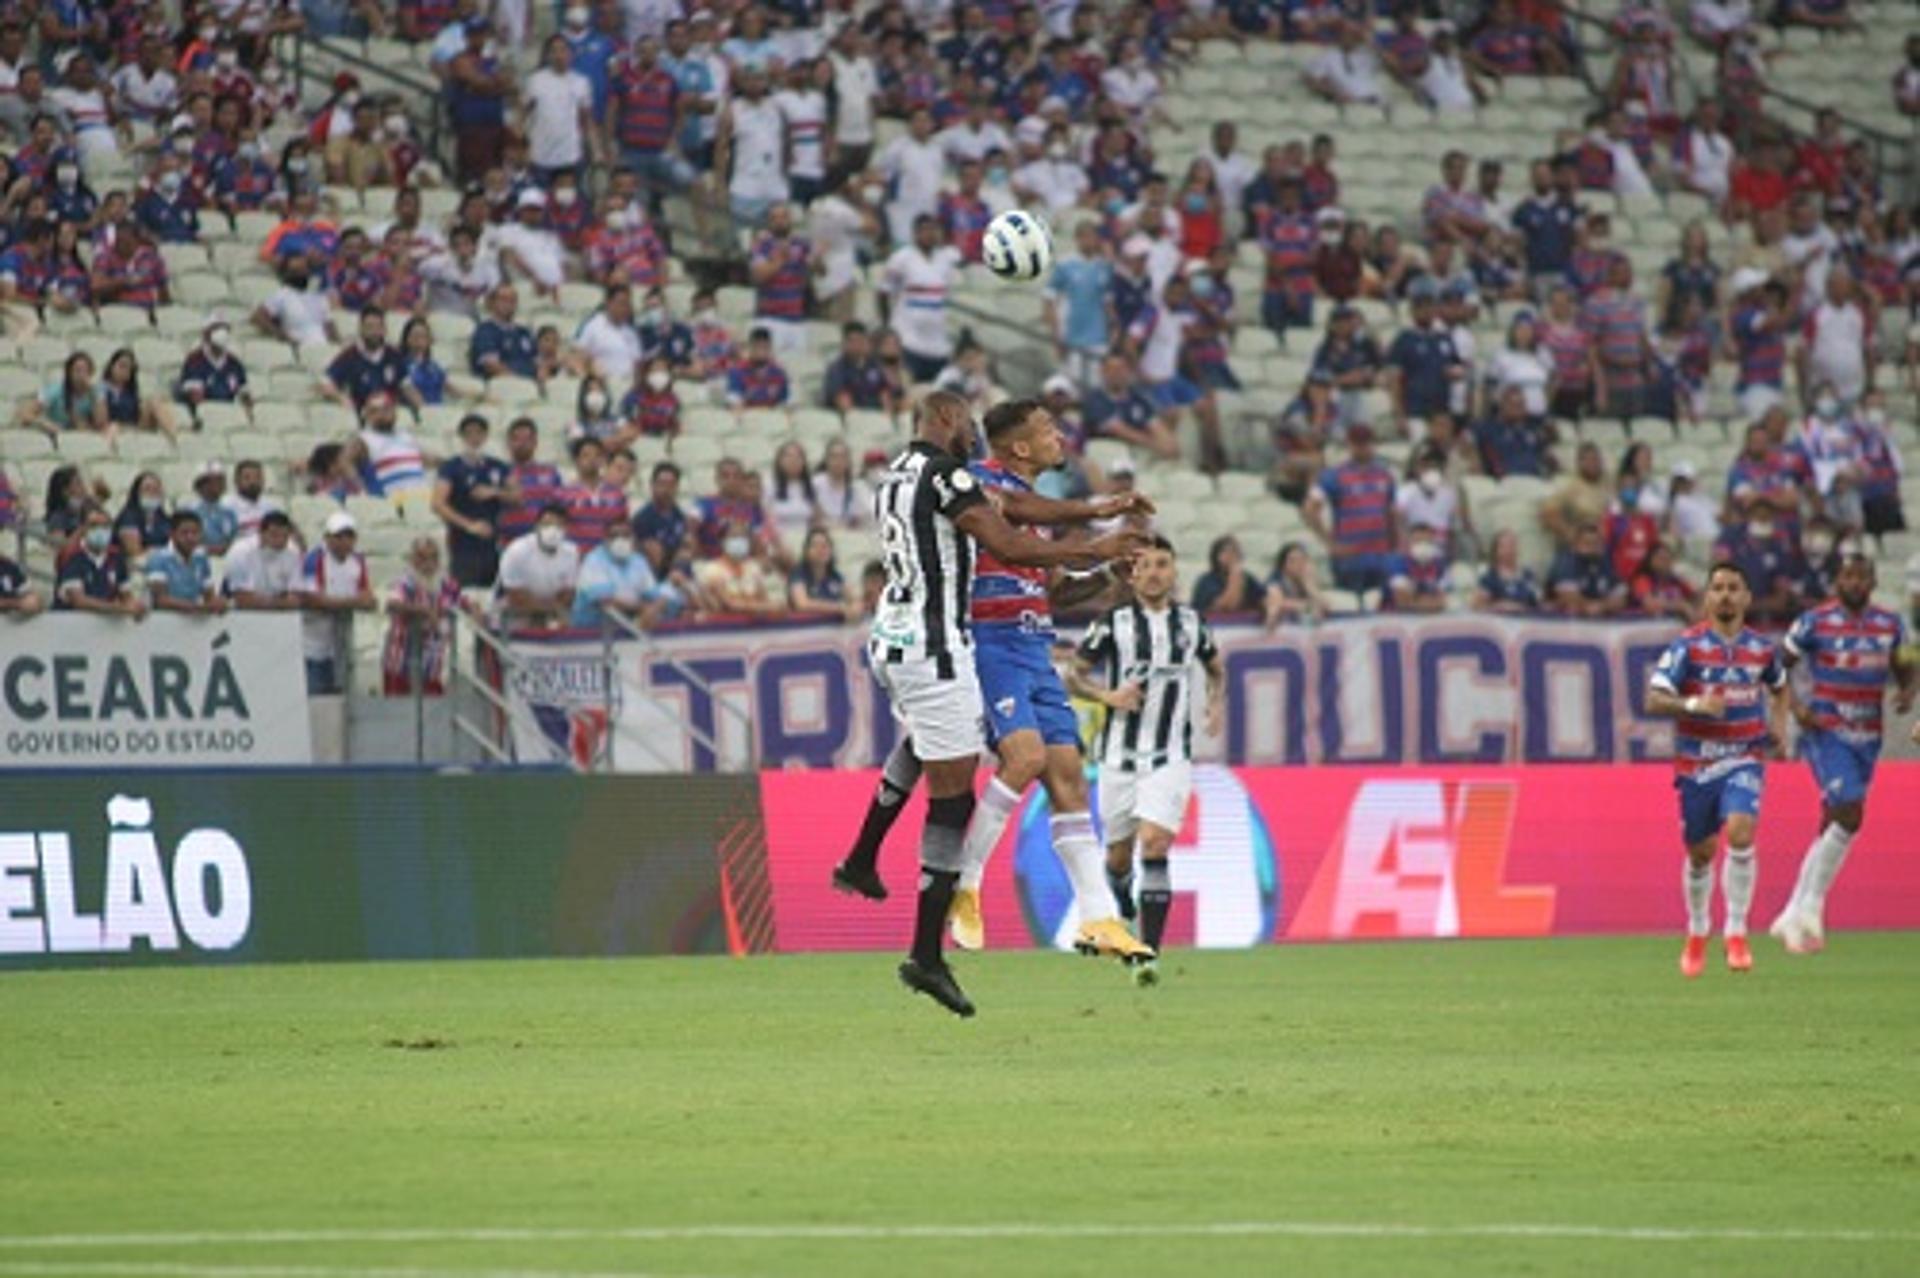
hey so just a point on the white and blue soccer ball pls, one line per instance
(1017, 246)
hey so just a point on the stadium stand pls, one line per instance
(261, 189)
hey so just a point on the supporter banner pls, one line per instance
(238, 866)
(1376, 690)
(78, 691)
(1313, 854)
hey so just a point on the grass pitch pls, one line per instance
(1476, 1108)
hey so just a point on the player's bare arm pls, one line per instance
(1031, 508)
(1004, 542)
(1081, 684)
(1671, 705)
(1216, 695)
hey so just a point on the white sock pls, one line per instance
(1828, 855)
(990, 817)
(1079, 851)
(1737, 876)
(1698, 880)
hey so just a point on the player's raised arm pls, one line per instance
(1023, 507)
(1004, 542)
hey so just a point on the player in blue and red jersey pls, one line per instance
(1851, 647)
(1030, 720)
(1725, 686)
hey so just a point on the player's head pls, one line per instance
(1728, 594)
(1153, 572)
(947, 423)
(1023, 431)
(1854, 582)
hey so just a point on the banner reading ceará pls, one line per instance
(79, 691)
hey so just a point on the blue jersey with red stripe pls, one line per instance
(784, 294)
(644, 102)
(1361, 498)
(1741, 670)
(1761, 346)
(965, 218)
(1008, 599)
(593, 512)
(1290, 240)
(1850, 655)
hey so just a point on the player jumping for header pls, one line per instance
(1149, 649)
(1851, 646)
(930, 509)
(1713, 680)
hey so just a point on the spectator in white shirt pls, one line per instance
(974, 136)
(809, 129)
(608, 344)
(1130, 84)
(917, 283)
(856, 87)
(1835, 349)
(538, 572)
(1050, 178)
(1449, 84)
(1348, 73)
(263, 569)
(334, 584)
(915, 166)
(1683, 510)
(557, 114)
(1714, 22)
(297, 312)
(751, 148)
(527, 247)
(1811, 246)
(1233, 171)
(1703, 154)
(458, 279)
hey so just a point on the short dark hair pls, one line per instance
(760, 333)
(851, 327)
(524, 423)
(474, 419)
(555, 508)
(1010, 415)
(186, 517)
(665, 468)
(276, 519)
(1160, 542)
(573, 449)
(1729, 566)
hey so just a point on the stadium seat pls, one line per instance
(83, 446)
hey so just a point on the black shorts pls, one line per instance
(473, 564)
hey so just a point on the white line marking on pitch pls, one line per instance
(1009, 1231)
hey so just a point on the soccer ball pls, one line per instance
(1017, 246)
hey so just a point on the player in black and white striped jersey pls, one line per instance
(1147, 653)
(930, 511)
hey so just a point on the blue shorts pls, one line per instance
(1706, 805)
(1022, 690)
(1175, 392)
(1843, 768)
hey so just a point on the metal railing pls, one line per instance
(510, 713)
(613, 623)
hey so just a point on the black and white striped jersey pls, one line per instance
(1160, 651)
(929, 562)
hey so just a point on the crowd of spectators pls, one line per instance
(764, 116)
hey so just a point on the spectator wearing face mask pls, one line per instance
(1418, 580)
(94, 578)
(538, 573)
(212, 373)
(735, 580)
(1430, 501)
(143, 523)
(616, 579)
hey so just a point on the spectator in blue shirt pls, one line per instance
(759, 382)
(142, 524)
(219, 525)
(1506, 586)
(1511, 443)
(94, 577)
(499, 346)
(212, 372)
(1547, 221)
(661, 525)
(1423, 362)
(420, 372)
(1077, 306)
(1119, 408)
(368, 366)
(179, 576)
(593, 51)
(169, 209)
(469, 492)
(855, 379)
(616, 578)
(1581, 582)
(662, 334)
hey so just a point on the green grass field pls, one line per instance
(1473, 1108)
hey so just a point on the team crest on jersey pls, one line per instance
(1005, 706)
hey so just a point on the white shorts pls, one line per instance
(1130, 799)
(944, 718)
(1754, 402)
